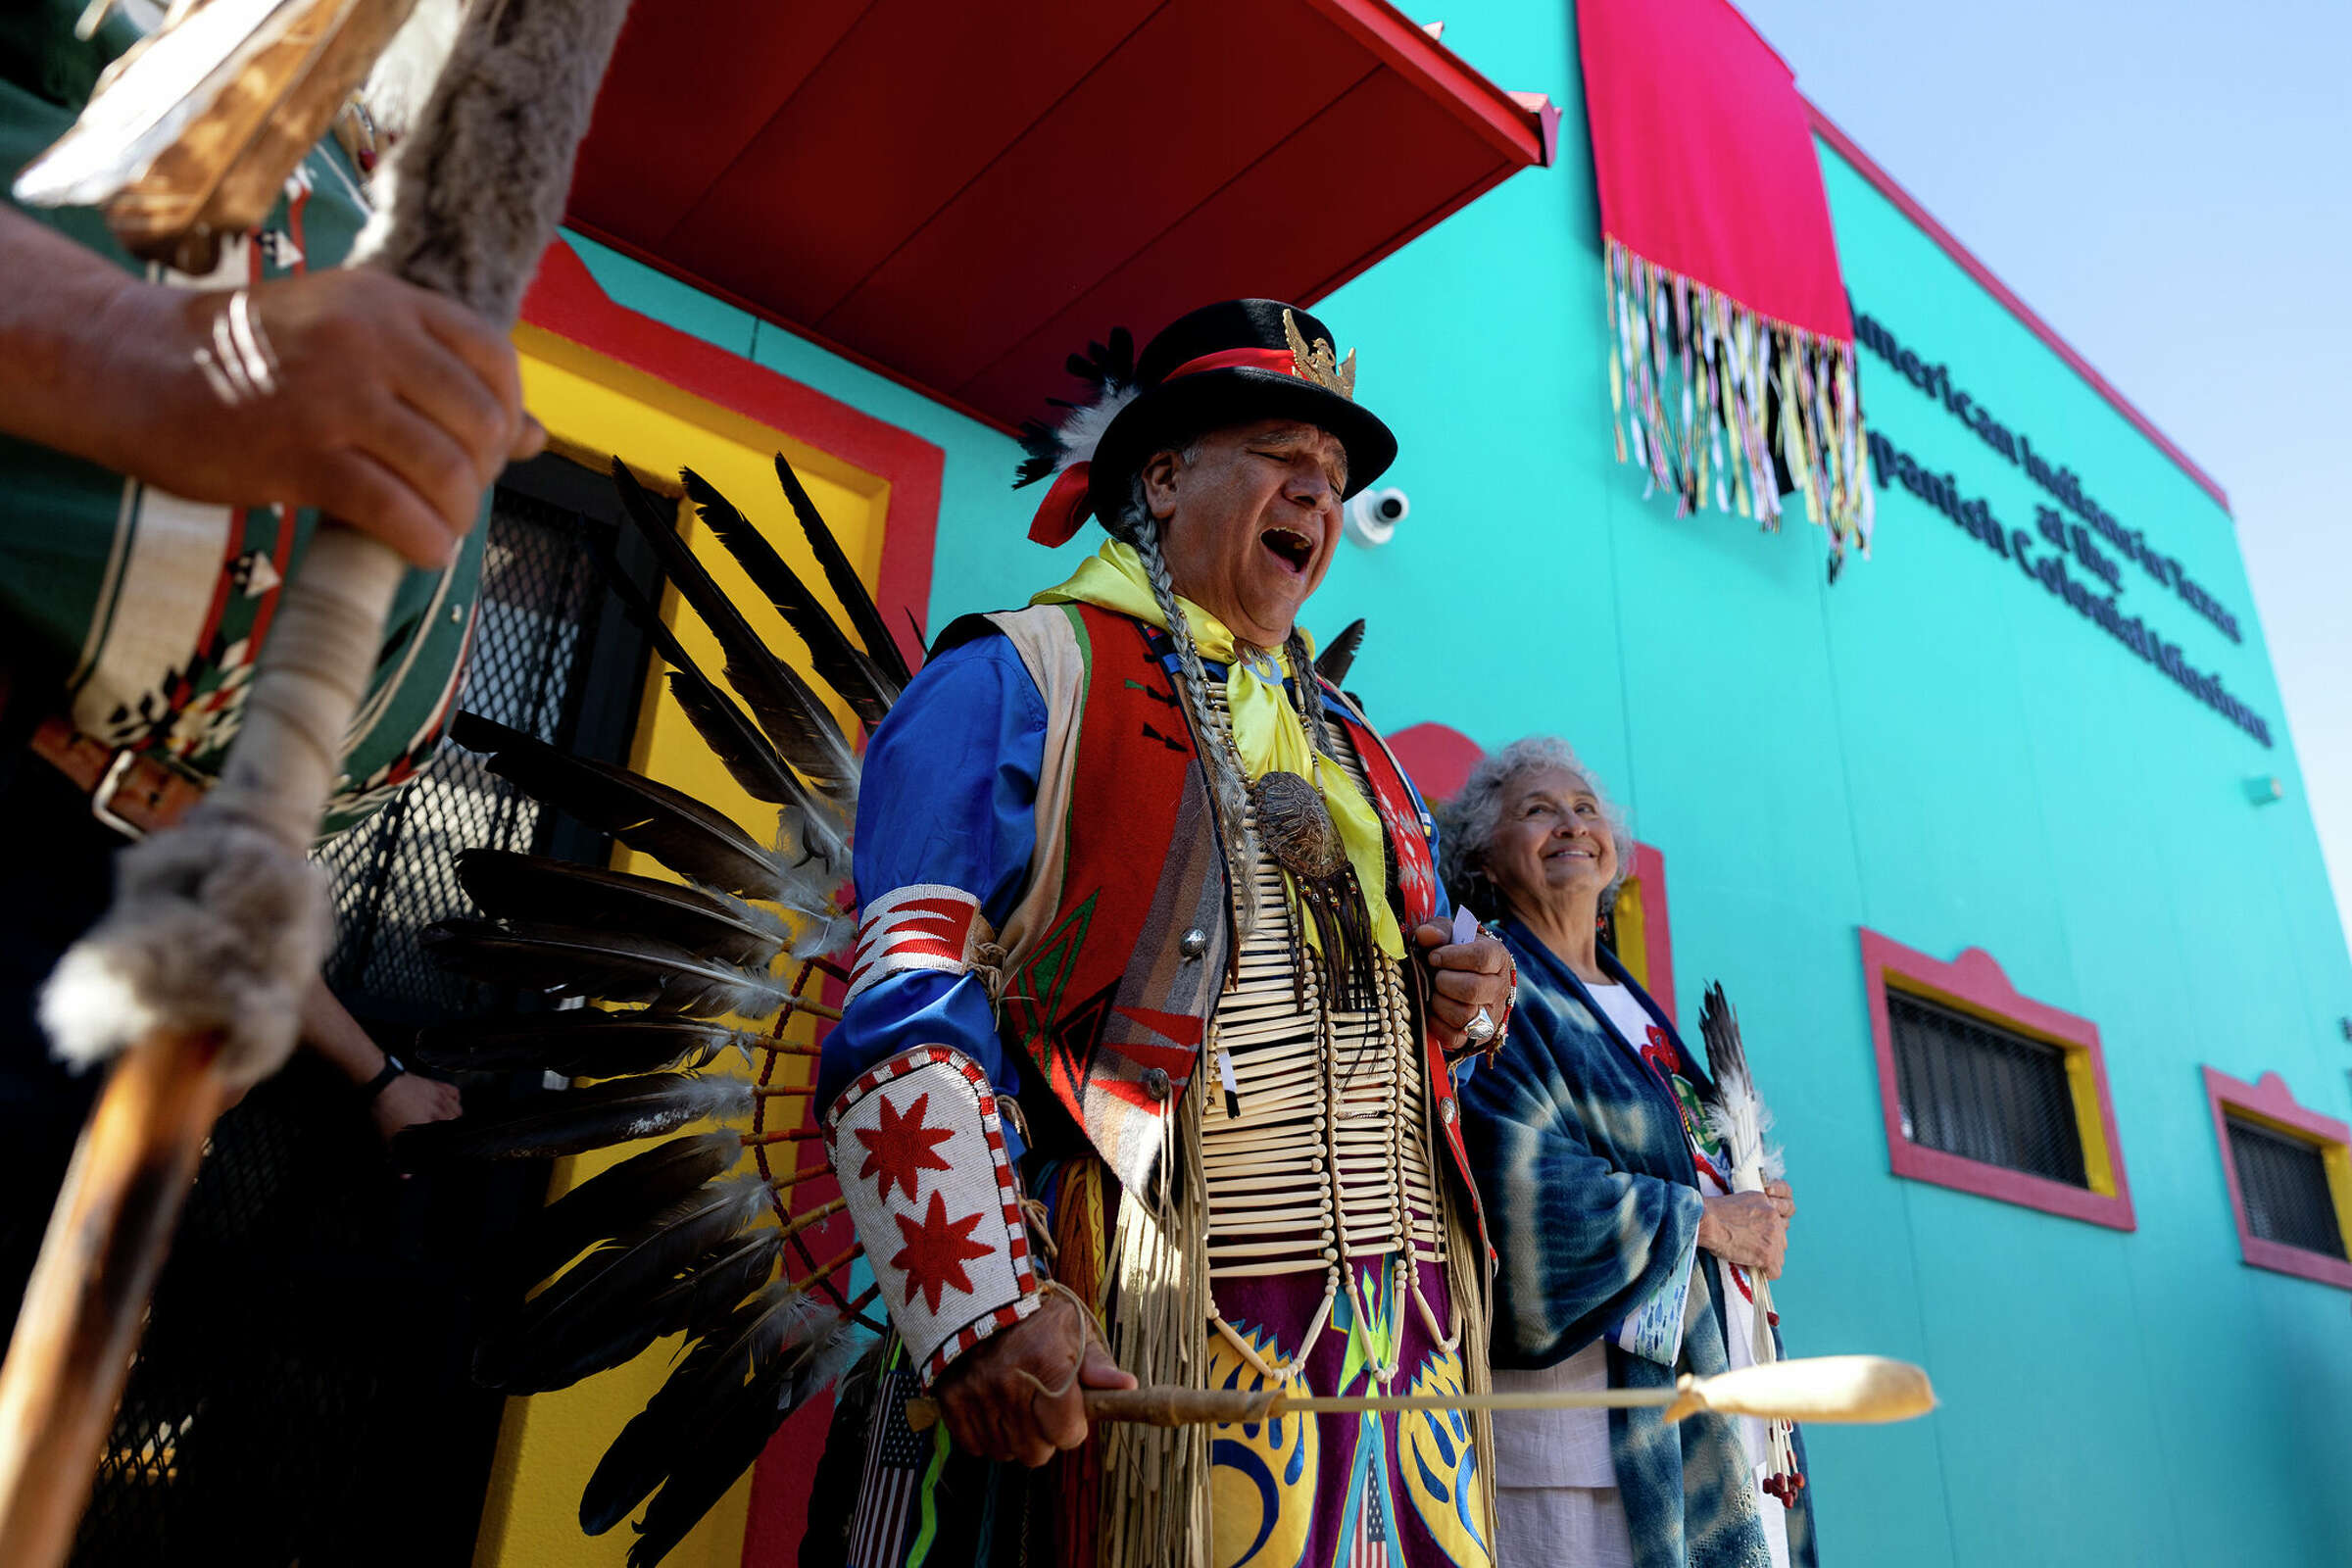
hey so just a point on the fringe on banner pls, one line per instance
(1700, 385)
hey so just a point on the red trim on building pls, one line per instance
(900, 180)
(2271, 1101)
(567, 300)
(1868, 168)
(1975, 983)
(1436, 757)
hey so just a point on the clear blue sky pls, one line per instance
(2169, 186)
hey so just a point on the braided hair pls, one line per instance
(1220, 756)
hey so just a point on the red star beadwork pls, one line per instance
(901, 1147)
(936, 1250)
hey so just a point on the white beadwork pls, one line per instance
(1330, 1160)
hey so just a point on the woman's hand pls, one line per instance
(1464, 977)
(409, 1100)
(1750, 1229)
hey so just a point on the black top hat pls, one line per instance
(1221, 364)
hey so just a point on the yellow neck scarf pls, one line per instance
(1266, 728)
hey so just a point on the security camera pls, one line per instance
(1371, 518)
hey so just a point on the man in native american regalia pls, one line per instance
(1155, 1018)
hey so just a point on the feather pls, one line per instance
(748, 755)
(578, 1043)
(607, 1324)
(722, 1452)
(397, 89)
(1738, 1111)
(626, 1293)
(531, 888)
(707, 1423)
(1108, 370)
(782, 702)
(670, 826)
(739, 746)
(1740, 1119)
(1043, 444)
(839, 661)
(608, 966)
(614, 1201)
(1339, 655)
(196, 133)
(865, 619)
(572, 1122)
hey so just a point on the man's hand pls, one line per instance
(409, 1100)
(1464, 977)
(995, 1397)
(379, 403)
(1750, 1229)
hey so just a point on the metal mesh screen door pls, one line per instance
(543, 606)
(301, 1394)
(1986, 1094)
(2282, 1182)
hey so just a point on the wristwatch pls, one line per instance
(393, 1069)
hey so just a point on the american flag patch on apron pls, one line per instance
(891, 1486)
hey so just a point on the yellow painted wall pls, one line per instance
(594, 408)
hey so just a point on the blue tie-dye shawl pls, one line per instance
(1592, 1203)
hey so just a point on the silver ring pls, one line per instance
(1480, 1029)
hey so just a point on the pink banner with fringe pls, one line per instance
(1733, 365)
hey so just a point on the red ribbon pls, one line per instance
(1281, 360)
(1063, 512)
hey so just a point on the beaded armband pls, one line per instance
(918, 1148)
(924, 925)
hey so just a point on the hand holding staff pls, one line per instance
(192, 982)
(1868, 1389)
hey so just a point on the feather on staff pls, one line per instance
(782, 702)
(714, 1414)
(861, 682)
(581, 1042)
(617, 1201)
(812, 836)
(1740, 1119)
(572, 1122)
(750, 759)
(533, 889)
(865, 618)
(650, 1281)
(611, 965)
(670, 826)
(667, 1240)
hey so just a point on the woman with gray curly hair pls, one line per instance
(1625, 1256)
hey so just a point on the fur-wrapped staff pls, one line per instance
(1741, 1120)
(191, 983)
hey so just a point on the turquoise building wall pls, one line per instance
(1935, 747)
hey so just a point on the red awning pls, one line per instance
(961, 194)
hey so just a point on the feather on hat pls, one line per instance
(1066, 453)
(1222, 364)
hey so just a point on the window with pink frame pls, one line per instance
(2266, 1113)
(1972, 989)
